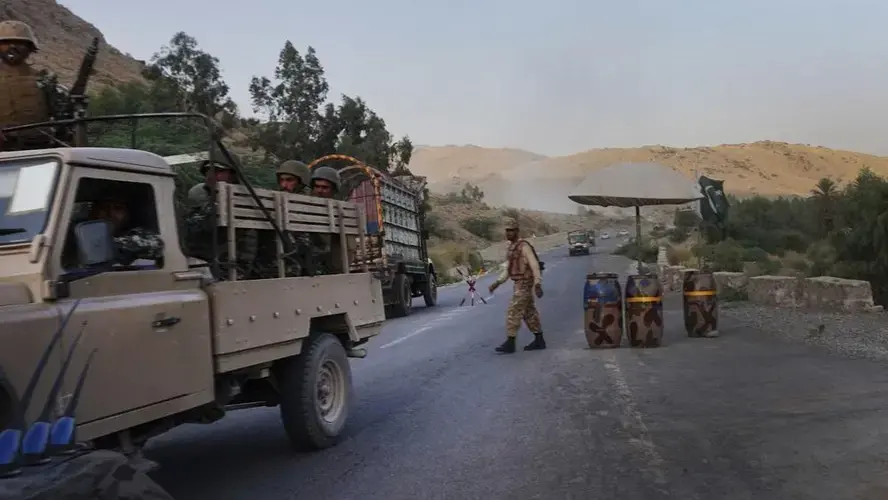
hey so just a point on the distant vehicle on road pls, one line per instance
(578, 243)
(605, 236)
(623, 232)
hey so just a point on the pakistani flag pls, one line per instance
(714, 205)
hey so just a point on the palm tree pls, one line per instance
(825, 193)
(825, 188)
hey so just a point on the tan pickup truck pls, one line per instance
(164, 343)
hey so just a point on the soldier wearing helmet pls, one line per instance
(325, 182)
(524, 268)
(28, 96)
(200, 223)
(293, 176)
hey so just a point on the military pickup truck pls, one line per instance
(165, 343)
(397, 251)
(578, 243)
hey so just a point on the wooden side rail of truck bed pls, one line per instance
(299, 214)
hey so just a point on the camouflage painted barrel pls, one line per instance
(603, 304)
(644, 311)
(700, 304)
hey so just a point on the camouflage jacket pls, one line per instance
(199, 226)
(294, 263)
(138, 243)
(98, 474)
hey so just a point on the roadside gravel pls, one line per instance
(861, 335)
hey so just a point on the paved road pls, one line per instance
(441, 416)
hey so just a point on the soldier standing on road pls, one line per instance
(524, 269)
(27, 96)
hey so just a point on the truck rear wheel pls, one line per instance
(430, 291)
(403, 305)
(315, 393)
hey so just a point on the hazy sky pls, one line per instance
(559, 76)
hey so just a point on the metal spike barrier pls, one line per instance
(472, 293)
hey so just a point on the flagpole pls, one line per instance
(699, 210)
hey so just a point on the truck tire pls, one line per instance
(403, 305)
(315, 393)
(430, 291)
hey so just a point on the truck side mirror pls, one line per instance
(95, 243)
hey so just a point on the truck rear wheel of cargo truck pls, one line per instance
(315, 393)
(430, 290)
(403, 296)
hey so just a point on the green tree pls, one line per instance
(181, 67)
(365, 136)
(825, 194)
(297, 123)
(471, 193)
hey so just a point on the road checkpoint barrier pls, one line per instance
(471, 280)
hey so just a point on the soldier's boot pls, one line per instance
(507, 347)
(538, 343)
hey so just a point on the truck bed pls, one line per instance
(256, 321)
(253, 321)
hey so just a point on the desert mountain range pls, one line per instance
(508, 176)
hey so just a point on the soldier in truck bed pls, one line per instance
(293, 177)
(199, 224)
(28, 96)
(325, 183)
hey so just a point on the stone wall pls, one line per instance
(824, 293)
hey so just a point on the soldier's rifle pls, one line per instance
(77, 101)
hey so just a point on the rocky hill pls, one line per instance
(64, 38)
(513, 177)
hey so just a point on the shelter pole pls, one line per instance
(638, 237)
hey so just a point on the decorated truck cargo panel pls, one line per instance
(396, 212)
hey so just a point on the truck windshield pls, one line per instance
(26, 188)
(577, 238)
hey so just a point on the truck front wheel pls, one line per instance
(315, 393)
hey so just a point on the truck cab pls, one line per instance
(133, 349)
(578, 243)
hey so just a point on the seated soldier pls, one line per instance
(325, 183)
(133, 241)
(199, 225)
(293, 177)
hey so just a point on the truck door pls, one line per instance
(147, 322)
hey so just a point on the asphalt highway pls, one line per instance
(441, 416)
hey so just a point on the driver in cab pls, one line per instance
(132, 241)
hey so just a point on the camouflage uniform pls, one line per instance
(524, 270)
(98, 474)
(199, 225)
(296, 263)
(28, 96)
(299, 170)
(138, 243)
(322, 244)
(132, 243)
